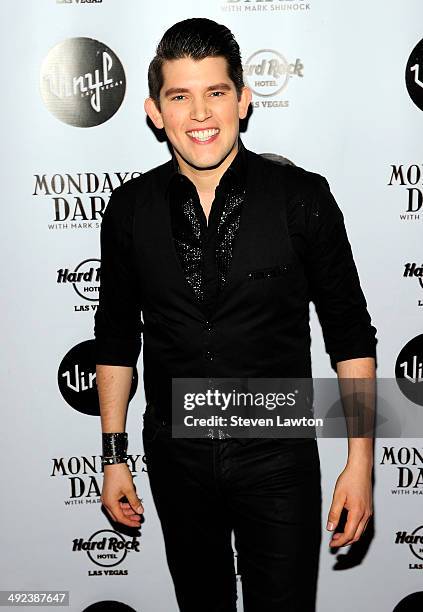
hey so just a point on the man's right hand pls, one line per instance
(117, 483)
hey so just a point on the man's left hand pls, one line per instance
(353, 491)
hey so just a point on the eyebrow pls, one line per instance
(181, 90)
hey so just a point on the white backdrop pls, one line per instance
(344, 112)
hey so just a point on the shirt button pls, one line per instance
(209, 355)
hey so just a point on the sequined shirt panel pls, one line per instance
(204, 249)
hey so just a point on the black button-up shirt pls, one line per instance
(229, 299)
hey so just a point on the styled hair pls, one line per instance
(196, 38)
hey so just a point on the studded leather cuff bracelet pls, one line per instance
(115, 444)
(113, 460)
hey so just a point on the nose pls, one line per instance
(200, 110)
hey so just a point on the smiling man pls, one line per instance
(222, 251)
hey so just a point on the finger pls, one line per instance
(136, 518)
(126, 508)
(120, 517)
(109, 512)
(135, 502)
(368, 520)
(361, 527)
(128, 512)
(127, 504)
(335, 511)
(353, 520)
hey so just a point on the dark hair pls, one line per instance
(195, 38)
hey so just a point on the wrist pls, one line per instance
(364, 464)
(114, 466)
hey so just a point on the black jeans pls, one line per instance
(267, 491)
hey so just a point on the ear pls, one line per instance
(244, 102)
(154, 113)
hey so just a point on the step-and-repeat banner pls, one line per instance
(338, 89)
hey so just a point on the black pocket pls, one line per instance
(270, 272)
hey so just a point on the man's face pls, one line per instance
(199, 110)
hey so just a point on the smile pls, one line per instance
(203, 135)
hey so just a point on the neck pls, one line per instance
(208, 179)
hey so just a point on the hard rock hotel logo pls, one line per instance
(85, 280)
(82, 82)
(414, 271)
(267, 72)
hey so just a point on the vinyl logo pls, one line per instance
(109, 605)
(409, 370)
(412, 603)
(267, 72)
(77, 379)
(82, 82)
(414, 75)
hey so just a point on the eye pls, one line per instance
(217, 94)
(178, 97)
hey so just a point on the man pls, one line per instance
(222, 250)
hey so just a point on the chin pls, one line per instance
(204, 162)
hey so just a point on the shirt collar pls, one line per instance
(235, 173)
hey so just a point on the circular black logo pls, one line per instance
(82, 82)
(415, 542)
(87, 279)
(109, 550)
(106, 606)
(409, 370)
(414, 75)
(77, 379)
(411, 603)
(267, 72)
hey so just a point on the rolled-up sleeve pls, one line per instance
(334, 282)
(117, 321)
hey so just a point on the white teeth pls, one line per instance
(203, 135)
